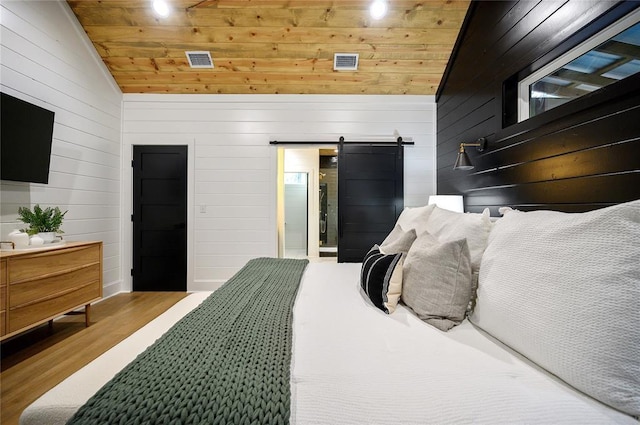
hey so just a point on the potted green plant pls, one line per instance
(44, 222)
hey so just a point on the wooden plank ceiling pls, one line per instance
(274, 46)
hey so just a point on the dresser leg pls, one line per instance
(87, 310)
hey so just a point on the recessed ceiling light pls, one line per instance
(161, 8)
(378, 9)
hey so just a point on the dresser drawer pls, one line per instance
(42, 284)
(22, 317)
(35, 266)
(29, 291)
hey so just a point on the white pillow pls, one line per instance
(450, 226)
(564, 291)
(415, 218)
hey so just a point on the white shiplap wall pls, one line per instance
(232, 169)
(46, 59)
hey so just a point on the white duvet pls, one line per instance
(352, 364)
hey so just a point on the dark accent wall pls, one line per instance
(577, 157)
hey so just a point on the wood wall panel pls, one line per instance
(577, 157)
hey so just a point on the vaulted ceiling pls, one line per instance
(274, 46)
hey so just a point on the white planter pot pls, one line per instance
(36, 240)
(48, 237)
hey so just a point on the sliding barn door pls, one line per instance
(370, 197)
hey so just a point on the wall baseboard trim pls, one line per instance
(112, 288)
(205, 285)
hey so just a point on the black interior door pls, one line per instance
(159, 218)
(370, 197)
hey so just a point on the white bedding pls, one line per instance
(352, 364)
(355, 365)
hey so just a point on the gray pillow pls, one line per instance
(398, 240)
(437, 280)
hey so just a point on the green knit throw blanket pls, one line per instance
(226, 362)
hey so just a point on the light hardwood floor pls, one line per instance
(36, 361)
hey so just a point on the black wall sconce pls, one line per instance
(462, 161)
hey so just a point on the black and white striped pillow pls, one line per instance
(381, 279)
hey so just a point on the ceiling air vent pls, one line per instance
(200, 59)
(345, 62)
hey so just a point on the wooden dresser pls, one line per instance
(39, 285)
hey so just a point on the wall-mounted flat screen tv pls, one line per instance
(26, 133)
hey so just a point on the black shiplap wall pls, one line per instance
(577, 157)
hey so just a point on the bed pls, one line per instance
(354, 363)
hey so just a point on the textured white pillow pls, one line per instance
(436, 281)
(449, 226)
(415, 218)
(564, 291)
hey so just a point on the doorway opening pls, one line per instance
(307, 174)
(355, 213)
